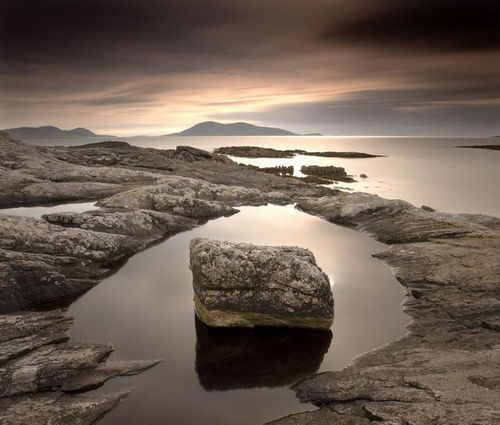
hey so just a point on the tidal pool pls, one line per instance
(234, 376)
(38, 211)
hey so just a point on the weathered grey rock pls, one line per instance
(183, 161)
(389, 220)
(247, 285)
(325, 416)
(174, 191)
(147, 224)
(23, 332)
(41, 262)
(32, 175)
(36, 357)
(56, 409)
(67, 367)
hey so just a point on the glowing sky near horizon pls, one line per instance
(412, 67)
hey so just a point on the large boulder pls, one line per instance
(239, 284)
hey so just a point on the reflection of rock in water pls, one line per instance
(231, 358)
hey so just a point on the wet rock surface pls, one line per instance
(246, 285)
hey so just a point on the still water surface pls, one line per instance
(235, 376)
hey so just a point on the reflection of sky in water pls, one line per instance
(216, 377)
(39, 211)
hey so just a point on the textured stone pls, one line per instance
(56, 409)
(247, 285)
(138, 223)
(389, 220)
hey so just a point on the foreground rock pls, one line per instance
(38, 366)
(445, 371)
(57, 408)
(328, 172)
(247, 285)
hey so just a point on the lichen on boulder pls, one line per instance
(244, 285)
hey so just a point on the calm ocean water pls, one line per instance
(424, 171)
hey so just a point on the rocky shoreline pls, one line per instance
(444, 371)
(144, 195)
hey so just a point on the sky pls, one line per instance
(339, 67)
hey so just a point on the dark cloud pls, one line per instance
(104, 59)
(442, 25)
(110, 32)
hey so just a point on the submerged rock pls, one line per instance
(238, 284)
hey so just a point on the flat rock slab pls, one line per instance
(238, 284)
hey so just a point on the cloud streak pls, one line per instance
(169, 63)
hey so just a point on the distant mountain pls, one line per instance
(212, 128)
(48, 132)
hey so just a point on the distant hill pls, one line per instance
(48, 132)
(212, 128)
